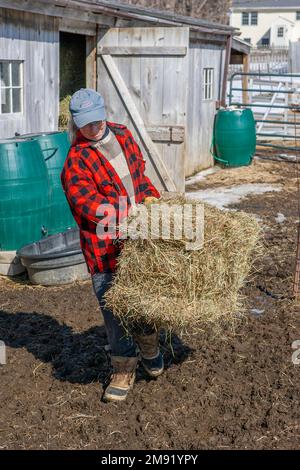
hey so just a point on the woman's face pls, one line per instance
(93, 130)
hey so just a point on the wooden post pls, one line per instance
(226, 67)
(245, 80)
(91, 62)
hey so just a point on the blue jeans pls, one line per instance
(121, 344)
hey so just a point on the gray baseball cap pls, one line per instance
(87, 105)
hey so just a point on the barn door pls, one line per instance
(142, 74)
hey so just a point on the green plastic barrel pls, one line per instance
(55, 147)
(234, 137)
(24, 194)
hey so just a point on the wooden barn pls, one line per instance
(161, 74)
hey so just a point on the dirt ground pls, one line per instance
(237, 392)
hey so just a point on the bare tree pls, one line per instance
(213, 10)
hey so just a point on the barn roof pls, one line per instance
(151, 13)
(238, 45)
(93, 10)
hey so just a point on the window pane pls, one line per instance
(208, 83)
(254, 18)
(16, 73)
(17, 100)
(5, 100)
(4, 74)
(298, 15)
(245, 18)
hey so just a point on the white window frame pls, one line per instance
(245, 19)
(248, 18)
(208, 83)
(280, 28)
(267, 41)
(11, 87)
(252, 16)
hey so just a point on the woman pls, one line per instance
(104, 163)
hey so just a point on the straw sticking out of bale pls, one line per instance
(64, 114)
(159, 282)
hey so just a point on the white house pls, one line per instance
(267, 23)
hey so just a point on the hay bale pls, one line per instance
(161, 283)
(64, 114)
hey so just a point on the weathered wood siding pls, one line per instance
(34, 39)
(157, 85)
(200, 113)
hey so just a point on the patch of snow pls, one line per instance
(258, 219)
(280, 218)
(201, 175)
(256, 312)
(222, 197)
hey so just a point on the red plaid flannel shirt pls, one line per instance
(89, 180)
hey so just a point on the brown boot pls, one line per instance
(122, 378)
(151, 357)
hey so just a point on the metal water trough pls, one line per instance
(55, 260)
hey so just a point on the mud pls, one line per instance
(240, 391)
